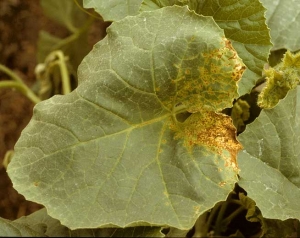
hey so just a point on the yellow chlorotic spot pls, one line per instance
(196, 209)
(192, 38)
(187, 71)
(222, 184)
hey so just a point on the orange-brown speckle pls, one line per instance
(214, 131)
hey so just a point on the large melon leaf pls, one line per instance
(140, 141)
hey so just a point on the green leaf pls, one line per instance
(66, 13)
(173, 232)
(284, 22)
(120, 150)
(12, 229)
(240, 113)
(114, 10)
(269, 163)
(46, 44)
(74, 46)
(284, 77)
(244, 25)
(50, 227)
(253, 214)
(277, 228)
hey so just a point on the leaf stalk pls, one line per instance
(18, 84)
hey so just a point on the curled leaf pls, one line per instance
(280, 80)
(240, 113)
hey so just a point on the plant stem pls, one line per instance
(22, 88)
(201, 226)
(18, 84)
(61, 62)
(228, 219)
(10, 73)
(218, 226)
(211, 217)
(7, 158)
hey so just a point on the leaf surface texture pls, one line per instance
(244, 25)
(270, 161)
(126, 147)
(283, 19)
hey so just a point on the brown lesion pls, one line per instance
(239, 67)
(36, 183)
(204, 90)
(212, 130)
(211, 82)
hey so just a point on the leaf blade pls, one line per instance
(274, 183)
(242, 22)
(13, 229)
(50, 227)
(283, 20)
(114, 10)
(66, 13)
(107, 152)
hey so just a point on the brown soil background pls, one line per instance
(20, 23)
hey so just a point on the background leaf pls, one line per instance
(66, 13)
(75, 48)
(283, 19)
(41, 221)
(244, 25)
(112, 152)
(13, 229)
(173, 232)
(114, 10)
(75, 45)
(270, 161)
(277, 228)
